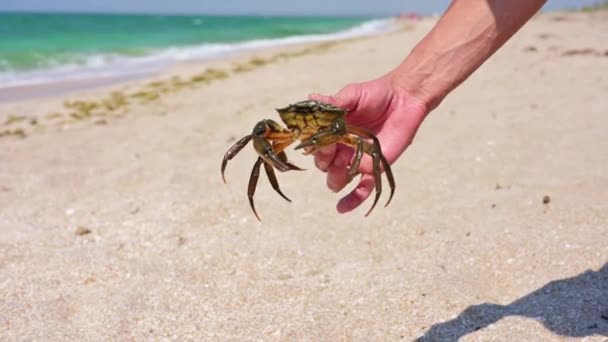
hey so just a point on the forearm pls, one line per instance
(466, 36)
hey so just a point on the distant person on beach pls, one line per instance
(394, 105)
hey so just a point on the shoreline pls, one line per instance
(27, 92)
(30, 92)
(97, 99)
(153, 64)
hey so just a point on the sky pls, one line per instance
(264, 7)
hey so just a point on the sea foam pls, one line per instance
(117, 65)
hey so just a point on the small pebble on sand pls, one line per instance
(80, 231)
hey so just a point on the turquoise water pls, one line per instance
(38, 47)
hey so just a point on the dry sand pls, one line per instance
(115, 225)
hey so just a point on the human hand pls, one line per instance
(383, 109)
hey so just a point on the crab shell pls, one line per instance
(306, 118)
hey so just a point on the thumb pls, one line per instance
(347, 98)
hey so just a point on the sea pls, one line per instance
(37, 48)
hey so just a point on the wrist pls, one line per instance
(414, 88)
(420, 79)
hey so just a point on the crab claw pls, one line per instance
(306, 143)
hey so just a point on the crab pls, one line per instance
(315, 125)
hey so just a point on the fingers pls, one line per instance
(324, 157)
(321, 98)
(337, 175)
(358, 195)
(336, 100)
(347, 98)
(366, 114)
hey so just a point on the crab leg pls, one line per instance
(352, 170)
(283, 157)
(361, 147)
(353, 136)
(277, 132)
(266, 152)
(281, 138)
(236, 148)
(377, 176)
(269, 140)
(377, 158)
(278, 147)
(253, 182)
(273, 180)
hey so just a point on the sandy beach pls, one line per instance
(115, 224)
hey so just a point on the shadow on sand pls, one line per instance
(572, 307)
